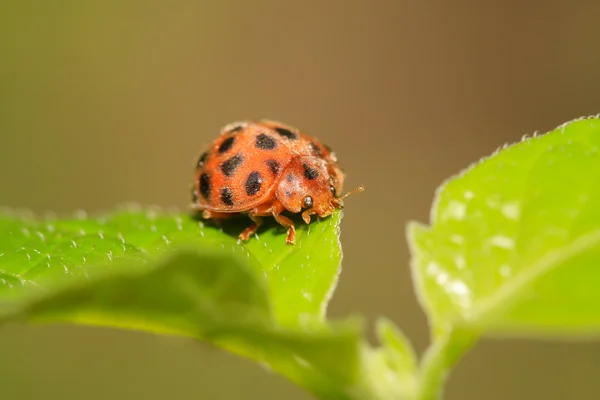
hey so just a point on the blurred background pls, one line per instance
(112, 101)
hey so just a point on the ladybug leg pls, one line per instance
(249, 231)
(255, 215)
(288, 223)
(276, 210)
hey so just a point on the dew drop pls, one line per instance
(455, 210)
(433, 268)
(457, 239)
(505, 270)
(442, 278)
(501, 241)
(458, 288)
(511, 211)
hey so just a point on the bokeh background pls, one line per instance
(112, 101)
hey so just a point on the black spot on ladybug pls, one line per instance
(286, 133)
(253, 183)
(226, 145)
(265, 142)
(316, 150)
(202, 159)
(310, 173)
(229, 166)
(205, 186)
(274, 166)
(227, 196)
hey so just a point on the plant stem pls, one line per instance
(438, 360)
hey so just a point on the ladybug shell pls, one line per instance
(242, 167)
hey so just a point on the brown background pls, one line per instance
(106, 102)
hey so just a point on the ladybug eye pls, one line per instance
(333, 191)
(308, 202)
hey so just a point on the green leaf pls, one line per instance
(514, 241)
(170, 274)
(398, 351)
(399, 359)
(52, 251)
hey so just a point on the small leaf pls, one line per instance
(399, 352)
(399, 359)
(514, 241)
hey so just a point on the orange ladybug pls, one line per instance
(263, 169)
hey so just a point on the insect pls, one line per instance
(263, 169)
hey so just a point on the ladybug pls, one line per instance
(263, 169)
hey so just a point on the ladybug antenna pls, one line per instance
(357, 190)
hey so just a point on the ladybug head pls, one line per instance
(310, 185)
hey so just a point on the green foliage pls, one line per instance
(513, 243)
(168, 273)
(53, 251)
(513, 246)
(511, 250)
